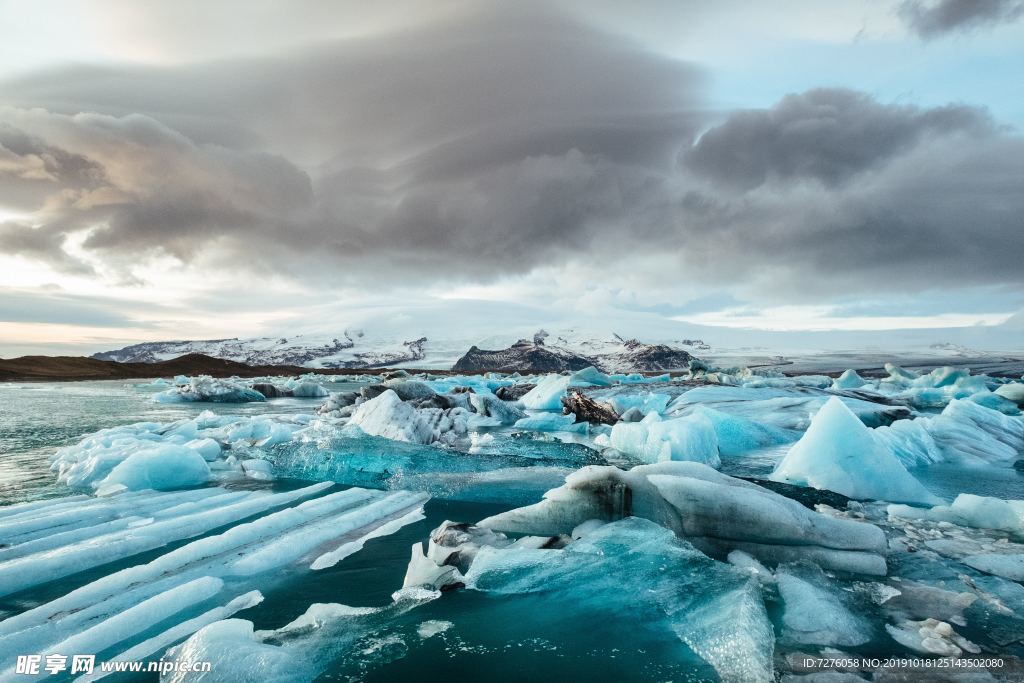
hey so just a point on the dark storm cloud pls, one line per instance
(828, 135)
(499, 140)
(931, 18)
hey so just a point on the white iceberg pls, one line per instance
(161, 468)
(552, 422)
(390, 417)
(654, 439)
(840, 454)
(714, 511)
(980, 512)
(548, 393)
(205, 388)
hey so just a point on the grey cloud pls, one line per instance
(828, 135)
(501, 138)
(34, 306)
(932, 18)
(510, 137)
(41, 244)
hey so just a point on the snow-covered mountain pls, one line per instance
(438, 336)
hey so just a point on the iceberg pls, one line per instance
(205, 388)
(1009, 566)
(390, 417)
(654, 439)
(1013, 391)
(738, 435)
(849, 380)
(840, 454)
(160, 468)
(552, 422)
(980, 512)
(636, 569)
(590, 376)
(965, 432)
(715, 512)
(548, 393)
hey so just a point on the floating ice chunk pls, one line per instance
(840, 454)
(849, 380)
(425, 572)
(646, 402)
(432, 627)
(979, 512)
(207, 388)
(160, 468)
(655, 440)
(1010, 566)
(261, 548)
(59, 562)
(159, 643)
(548, 393)
(1014, 391)
(636, 566)
(138, 618)
(898, 374)
(911, 442)
(489, 405)
(250, 658)
(590, 376)
(308, 390)
(716, 512)
(402, 510)
(257, 469)
(206, 447)
(390, 417)
(930, 637)
(737, 435)
(552, 422)
(814, 613)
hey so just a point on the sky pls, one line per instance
(190, 170)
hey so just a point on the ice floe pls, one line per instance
(183, 590)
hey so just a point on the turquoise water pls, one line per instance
(534, 637)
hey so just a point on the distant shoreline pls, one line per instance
(81, 368)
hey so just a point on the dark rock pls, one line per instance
(372, 391)
(804, 495)
(587, 409)
(462, 390)
(270, 391)
(640, 357)
(537, 356)
(513, 392)
(523, 356)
